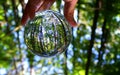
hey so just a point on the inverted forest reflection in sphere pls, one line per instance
(47, 34)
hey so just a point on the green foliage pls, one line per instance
(105, 57)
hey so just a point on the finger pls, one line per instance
(25, 17)
(46, 5)
(33, 6)
(69, 12)
(30, 9)
(31, 12)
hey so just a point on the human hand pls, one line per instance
(41, 5)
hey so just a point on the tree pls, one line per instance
(94, 49)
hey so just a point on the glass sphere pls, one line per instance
(47, 34)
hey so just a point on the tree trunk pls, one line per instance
(103, 41)
(96, 15)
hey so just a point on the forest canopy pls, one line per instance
(94, 49)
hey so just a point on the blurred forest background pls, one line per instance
(94, 50)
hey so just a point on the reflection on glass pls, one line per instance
(47, 34)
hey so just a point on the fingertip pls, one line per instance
(32, 14)
(73, 23)
(24, 19)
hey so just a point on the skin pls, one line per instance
(41, 5)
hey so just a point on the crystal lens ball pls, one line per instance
(47, 34)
